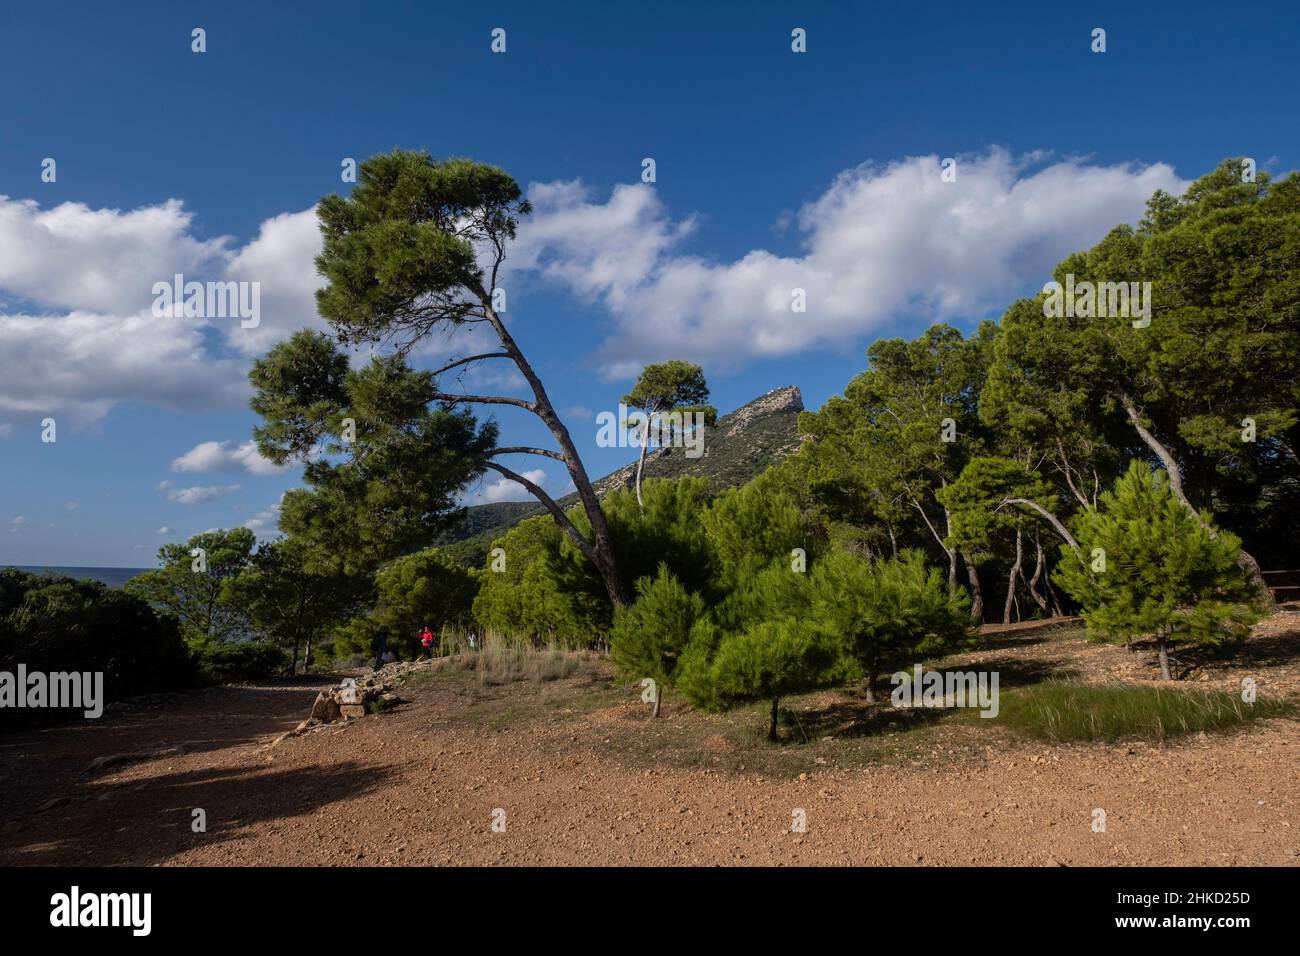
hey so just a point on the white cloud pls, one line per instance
(882, 242)
(71, 505)
(506, 489)
(106, 260)
(164, 530)
(20, 520)
(195, 494)
(266, 521)
(77, 332)
(282, 260)
(225, 456)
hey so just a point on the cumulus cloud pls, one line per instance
(195, 494)
(265, 521)
(884, 241)
(282, 259)
(225, 456)
(107, 260)
(506, 489)
(164, 530)
(77, 330)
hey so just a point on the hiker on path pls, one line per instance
(380, 647)
(426, 641)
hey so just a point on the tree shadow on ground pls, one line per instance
(857, 717)
(152, 819)
(41, 764)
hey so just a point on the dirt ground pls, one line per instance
(578, 775)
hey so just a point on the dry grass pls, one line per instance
(494, 660)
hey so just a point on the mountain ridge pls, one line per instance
(741, 444)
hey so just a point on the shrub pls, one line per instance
(885, 613)
(54, 624)
(231, 661)
(649, 636)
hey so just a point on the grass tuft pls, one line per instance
(1061, 711)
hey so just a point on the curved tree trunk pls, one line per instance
(771, 728)
(640, 461)
(977, 593)
(1175, 473)
(1040, 565)
(1011, 579)
(601, 545)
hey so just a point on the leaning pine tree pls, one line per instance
(416, 250)
(1146, 565)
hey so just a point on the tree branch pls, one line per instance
(524, 450)
(556, 511)
(485, 399)
(472, 358)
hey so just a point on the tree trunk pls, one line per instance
(1175, 473)
(1040, 565)
(771, 728)
(1162, 651)
(977, 593)
(602, 544)
(659, 698)
(1011, 580)
(640, 461)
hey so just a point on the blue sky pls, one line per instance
(774, 170)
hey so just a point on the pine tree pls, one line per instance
(649, 636)
(1148, 565)
(885, 613)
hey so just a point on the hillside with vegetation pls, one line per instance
(740, 446)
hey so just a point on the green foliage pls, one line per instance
(236, 661)
(200, 601)
(399, 251)
(392, 466)
(55, 624)
(754, 526)
(977, 502)
(541, 593)
(667, 528)
(649, 636)
(886, 614)
(1166, 573)
(420, 590)
(290, 604)
(1060, 711)
(765, 662)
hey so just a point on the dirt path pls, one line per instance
(420, 786)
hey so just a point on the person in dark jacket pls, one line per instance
(380, 647)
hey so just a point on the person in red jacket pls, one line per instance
(426, 641)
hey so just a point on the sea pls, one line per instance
(113, 577)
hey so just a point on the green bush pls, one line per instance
(232, 661)
(649, 636)
(1149, 566)
(60, 624)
